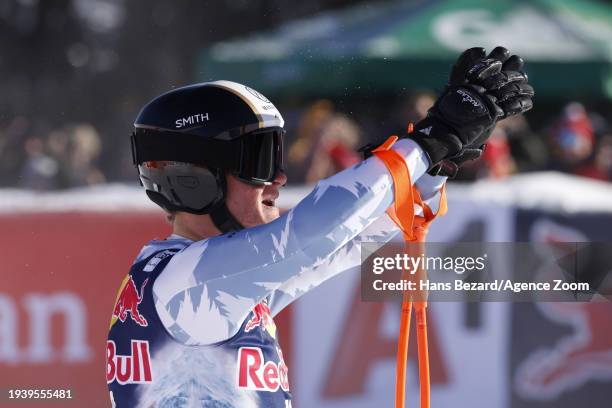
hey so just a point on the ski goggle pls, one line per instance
(255, 157)
(261, 156)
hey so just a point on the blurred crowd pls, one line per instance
(574, 141)
(47, 159)
(321, 140)
(53, 53)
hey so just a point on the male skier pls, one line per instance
(193, 322)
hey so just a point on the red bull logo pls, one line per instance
(254, 373)
(261, 317)
(584, 355)
(127, 301)
(130, 369)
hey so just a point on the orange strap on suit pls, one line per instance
(415, 230)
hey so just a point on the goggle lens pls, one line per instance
(261, 156)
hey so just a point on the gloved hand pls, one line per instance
(508, 88)
(480, 91)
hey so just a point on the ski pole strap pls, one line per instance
(406, 195)
(403, 193)
(402, 213)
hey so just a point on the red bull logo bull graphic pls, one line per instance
(127, 301)
(258, 375)
(130, 369)
(583, 356)
(261, 317)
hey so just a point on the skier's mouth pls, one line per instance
(268, 203)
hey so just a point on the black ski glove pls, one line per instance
(508, 89)
(481, 90)
(459, 118)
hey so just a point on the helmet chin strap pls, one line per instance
(224, 220)
(220, 214)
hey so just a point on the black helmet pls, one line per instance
(187, 139)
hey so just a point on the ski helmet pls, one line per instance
(186, 140)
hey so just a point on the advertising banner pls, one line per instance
(64, 256)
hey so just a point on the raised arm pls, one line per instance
(207, 290)
(348, 258)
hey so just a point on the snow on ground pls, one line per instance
(548, 190)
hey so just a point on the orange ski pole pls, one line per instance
(414, 230)
(402, 354)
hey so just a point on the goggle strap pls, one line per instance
(165, 146)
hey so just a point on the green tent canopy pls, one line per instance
(385, 47)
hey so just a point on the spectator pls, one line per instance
(39, 171)
(497, 161)
(335, 149)
(528, 149)
(309, 130)
(85, 147)
(57, 146)
(12, 149)
(600, 168)
(572, 139)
